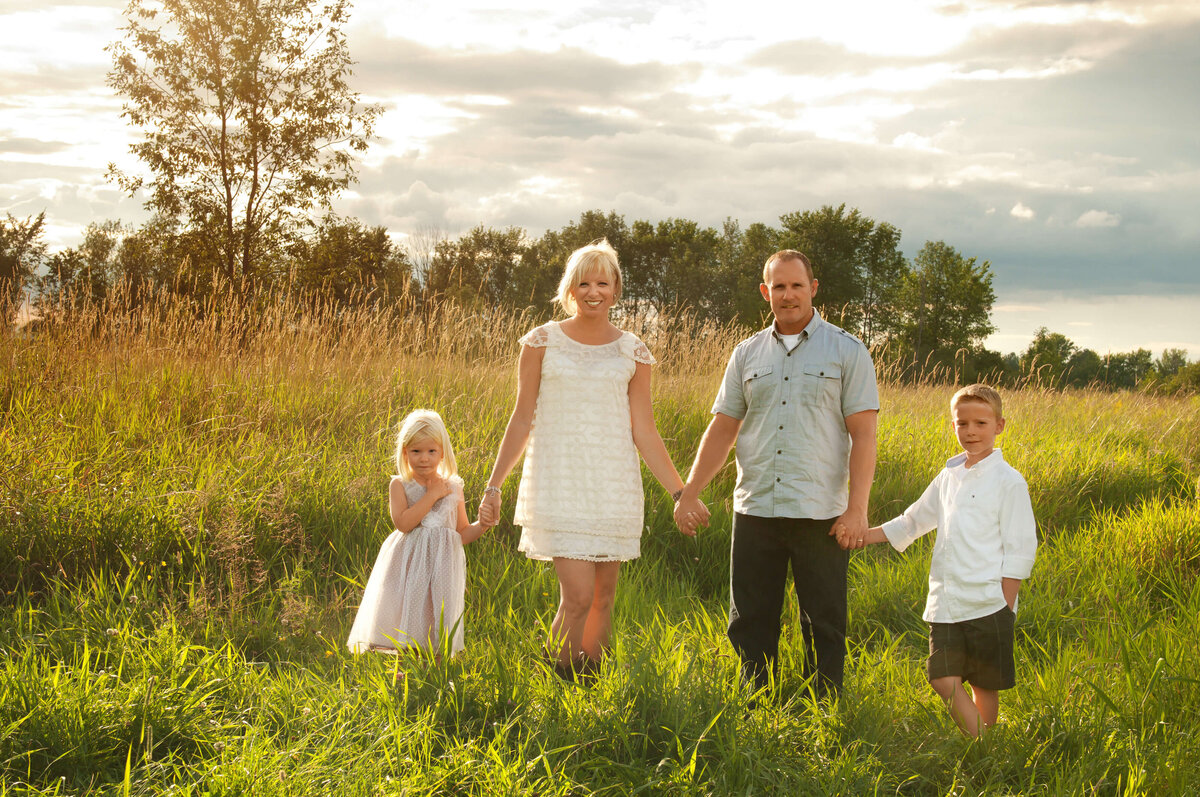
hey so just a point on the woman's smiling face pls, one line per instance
(594, 295)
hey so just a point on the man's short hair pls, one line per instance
(979, 392)
(787, 254)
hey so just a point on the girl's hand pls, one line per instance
(439, 488)
(489, 508)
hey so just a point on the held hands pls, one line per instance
(851, 531)
(489, 508)
(690, 515)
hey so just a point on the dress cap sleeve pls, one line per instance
(538, 337)
(633, 348)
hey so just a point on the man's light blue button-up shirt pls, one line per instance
(793, 450)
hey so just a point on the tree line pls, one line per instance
(921, 317)
(250, 129)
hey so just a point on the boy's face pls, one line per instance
(976, 426)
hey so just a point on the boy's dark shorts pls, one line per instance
(979, 651)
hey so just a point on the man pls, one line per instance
(800, 400)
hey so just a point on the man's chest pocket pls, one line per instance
(822, 384)
(759, 383)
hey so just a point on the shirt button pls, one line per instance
(781, 428)
(780, 451)
(785, 402)
(778, 479)
(785, 379)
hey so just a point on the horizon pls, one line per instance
(1051, 139)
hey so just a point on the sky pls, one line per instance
(1055, 140)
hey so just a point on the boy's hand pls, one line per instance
(848, 536)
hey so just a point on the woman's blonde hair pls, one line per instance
(596, 256)
(424, 425)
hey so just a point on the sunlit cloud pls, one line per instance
(1022, 211)
(1014, 130)
(1098, 218)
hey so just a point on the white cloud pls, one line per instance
(1022, 211)
(1098, 218)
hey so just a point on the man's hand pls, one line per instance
(690, 515)
(850, 530)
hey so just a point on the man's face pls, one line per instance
(790, 292)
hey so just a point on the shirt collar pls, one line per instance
(959, 461)
(809, 330)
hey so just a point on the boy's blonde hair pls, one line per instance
(979, 392)
(596, 256)
(424, 425)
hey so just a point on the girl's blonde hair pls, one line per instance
(425, 425)
(596, 256)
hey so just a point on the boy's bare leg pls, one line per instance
(987, 702)
(962, 708)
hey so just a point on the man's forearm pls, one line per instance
(714, 450)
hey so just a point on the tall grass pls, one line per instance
(191, 496)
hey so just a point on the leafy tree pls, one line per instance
(741, 255)
(1083, 368)
(1047, 355)
(946, 304)
(21, 251)
(344, 257)
(670, 264)
(857, 262)
(249, 120)
(478, 267)
(1127, 369)
(1186, 380)
(1171, 361)
(88, 271)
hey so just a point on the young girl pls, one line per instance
(415, 592)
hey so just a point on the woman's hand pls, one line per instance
(489, 508)
(690, 515)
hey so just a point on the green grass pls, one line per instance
(188, 512)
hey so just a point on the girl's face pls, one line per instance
(594, 295)
(423, 456)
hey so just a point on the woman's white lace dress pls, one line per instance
(581, 484)
(415, 591)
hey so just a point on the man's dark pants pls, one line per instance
(762, 549)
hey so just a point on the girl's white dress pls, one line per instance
(415, 591)
(581, 483)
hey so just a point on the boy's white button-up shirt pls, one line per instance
(985, 533)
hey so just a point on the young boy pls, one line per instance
(985, 547)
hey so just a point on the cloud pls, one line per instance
(388, 66)
(1098, 218)
(31, 146)
(1021, 211)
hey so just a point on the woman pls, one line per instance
(582, 415)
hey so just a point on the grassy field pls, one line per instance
(189, 509)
